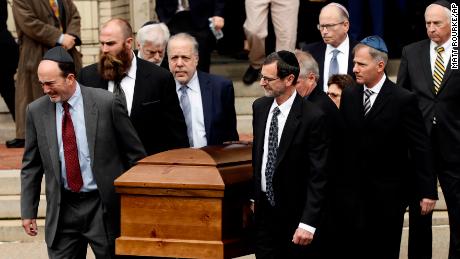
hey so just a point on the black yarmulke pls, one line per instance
(58, 54)
(288, 57)
(443, 3)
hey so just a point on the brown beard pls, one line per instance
(114, 68)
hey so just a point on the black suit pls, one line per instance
(298, 180)
(155, 113)
(194, 22)
(318, 51)
(388, 152)
(415, 74)
(218, 101)
(337, 197)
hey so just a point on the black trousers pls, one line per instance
(273, 237)
(420, 234)
(182, 22)
(9, 51)
(81, 222)
(449, 178)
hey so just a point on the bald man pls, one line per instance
(147, 89)
(333, 26)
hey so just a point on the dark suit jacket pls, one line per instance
(389, 149)
(218, 100)
(113, 147)
(155, 113)
(299, 177)
(318, 50)
(415, 74)
(200, 10)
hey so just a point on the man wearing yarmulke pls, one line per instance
(289, 161)
(426, 70)
(81, 139)
(387, 152)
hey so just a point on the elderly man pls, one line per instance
(387, 152)
(289, 161)
(151, 43)
(81, 139)
(207, 101)
(41, 25)
(336, 195)
(333, 54)
(146, 90)
(426, 70)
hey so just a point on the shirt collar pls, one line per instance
(73, 100)
(376, 89)
(193, 84)
(447, 46)
(343, 47)
(286, 106)
(132, 70)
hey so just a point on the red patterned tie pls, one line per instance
(72, 166)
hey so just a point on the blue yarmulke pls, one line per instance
(375, 42)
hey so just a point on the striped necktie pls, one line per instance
(439, 69)
(367, 100)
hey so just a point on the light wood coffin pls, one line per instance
(186, 203)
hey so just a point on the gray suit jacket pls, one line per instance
(113, 146)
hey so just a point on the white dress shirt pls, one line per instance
(342, 59)
(127, 84)
(196, 106)
(445, 55)
(77, 113)
(285, 108)
(376, 89)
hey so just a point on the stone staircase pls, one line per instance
(14, 242)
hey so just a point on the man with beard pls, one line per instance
(289, 159)
(146, 90)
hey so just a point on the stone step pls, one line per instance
(10, 183)
(10, 207)
(11, 230)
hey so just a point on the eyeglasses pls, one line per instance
(321, 27)
(267, 79)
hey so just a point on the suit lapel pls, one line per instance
(49, 120)
(139, 94)
(380, 101)
(426, 64)
(91, 119)
(290, 128)
(445, 78)
(260, 121)
(206, 100)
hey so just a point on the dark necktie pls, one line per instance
(271, 157)
(119, 93)
(69, 141)
(186, 109)
(367, 100)
(439, 69)
(334, 65)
